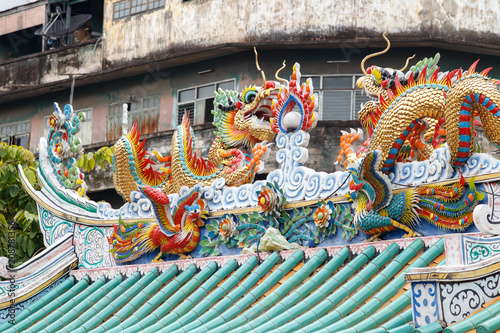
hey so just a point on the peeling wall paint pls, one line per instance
(186, 32)
(183, 27)
(51, 66)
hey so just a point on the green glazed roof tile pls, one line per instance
(82, 306)
(276, 295)
(29, 318)
(195, 297)
(311, 302)
(158, 298)
(434, 327)
(396, 321)
(406, 328)
(349, 319)
(475, 320)
(101, 307)
(358, 298)
(257, 292)
(346, 293)
(43, 302)
(235, 294)
(67, 307)
(490, 325)
(145, 287)
(132, 287)
(385, 294)
(254, 294)
(164, 308)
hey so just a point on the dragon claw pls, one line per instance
(374, 238)
(157, 259)
(412, 234)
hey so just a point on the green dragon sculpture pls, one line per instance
(243, 129)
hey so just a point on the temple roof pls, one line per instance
(321, 291)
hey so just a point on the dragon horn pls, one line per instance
(279, 70)
(258, 67)
(407, 61)
(376, 53)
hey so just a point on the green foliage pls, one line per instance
(478, 148)
(303, 225)
(90, 160)
(245, 230)
(18, 213)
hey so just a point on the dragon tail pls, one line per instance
(196, 164)
(449, 207)
(129, 242)
(133, 166)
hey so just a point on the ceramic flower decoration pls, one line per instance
(322, 215)
(271, 199)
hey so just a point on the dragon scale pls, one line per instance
(425, 100)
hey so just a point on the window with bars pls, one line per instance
(338, 95)
(16, 133)
(199, 101)
(144, 111)
(85, 133)
(131, 7)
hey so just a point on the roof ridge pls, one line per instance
(201, 263)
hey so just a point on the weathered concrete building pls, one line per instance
(162, 57)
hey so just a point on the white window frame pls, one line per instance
(198, 118)
(355, 106)
(17, 135)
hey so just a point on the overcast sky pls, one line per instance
(8, 4)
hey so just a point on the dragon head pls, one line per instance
(381, 84)
(243, 120)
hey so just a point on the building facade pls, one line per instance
(163, 58)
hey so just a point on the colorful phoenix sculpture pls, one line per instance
(175, 232)
(378, 210)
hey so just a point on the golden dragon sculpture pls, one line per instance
(411, 115)
(417, 108)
